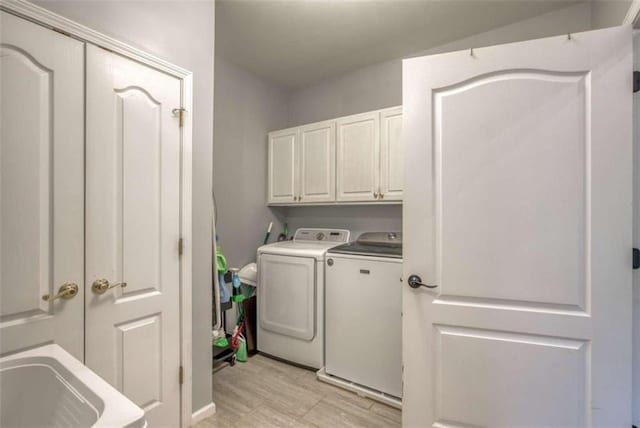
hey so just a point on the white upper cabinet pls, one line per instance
(358, 157)
(352, 159)
(391, 170)
(317, 163)
(282, 174)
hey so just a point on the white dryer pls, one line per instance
(291, 295)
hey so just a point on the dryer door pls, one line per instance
(287, 295)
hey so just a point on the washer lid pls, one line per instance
(382, 244)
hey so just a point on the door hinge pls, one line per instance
(180, 246)
(179, 112)
(636, 258)
(181, 375)
(636, 81)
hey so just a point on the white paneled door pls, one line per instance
(133, 228)
(41, 187)
(517, 212)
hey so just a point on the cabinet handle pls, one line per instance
(375, 195)
(299, 198)
(381, 195)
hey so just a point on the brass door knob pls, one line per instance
(100, 286)
(67, 291)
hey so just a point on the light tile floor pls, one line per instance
(267, 393)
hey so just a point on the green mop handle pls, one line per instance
(266, 235)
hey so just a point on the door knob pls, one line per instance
(67, 291)
(100, 286)
(416, 282)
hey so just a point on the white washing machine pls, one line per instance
(291, 295)
(364, 316)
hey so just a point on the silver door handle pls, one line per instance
(416, 282)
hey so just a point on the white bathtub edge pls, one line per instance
(203, 413)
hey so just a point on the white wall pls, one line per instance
(381, 218)
(379, 86)
(370, 88)
(608, 13)
(246, 109)
(181, 32)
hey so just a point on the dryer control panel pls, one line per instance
(322, 235)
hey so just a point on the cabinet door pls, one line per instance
(358, 146)
(317, 163)
(41, 187)
(391, 171)
(282, 166)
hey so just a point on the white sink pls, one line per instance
(48, 387)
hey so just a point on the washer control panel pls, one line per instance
(322, 235)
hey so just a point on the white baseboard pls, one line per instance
(203, 413)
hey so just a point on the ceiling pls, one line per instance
(297, 42)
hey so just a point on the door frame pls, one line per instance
(48, 19)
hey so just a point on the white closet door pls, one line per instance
(317, 162)
(41, 186)
(517, 208)
(282, 168)
(133, 227)
(391, 162)
(358, 157)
